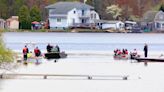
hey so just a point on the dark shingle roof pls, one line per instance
(64, 7)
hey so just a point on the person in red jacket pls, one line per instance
(25, 52)
(37, 52)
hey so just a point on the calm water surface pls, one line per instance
(84, 41)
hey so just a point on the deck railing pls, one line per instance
(45, 76)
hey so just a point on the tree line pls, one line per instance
(34, 10)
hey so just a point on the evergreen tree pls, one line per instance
(162, 8)
(16, 6)
(35, 14)
(24, 17)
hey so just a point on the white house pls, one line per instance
(105, 24)
(159, 21)
(71, 14)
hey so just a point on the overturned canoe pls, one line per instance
(55, 55)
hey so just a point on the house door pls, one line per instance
(83, 21)
(73, 21)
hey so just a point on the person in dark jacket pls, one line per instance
(145, 50)
(49, 48)
(57, 47)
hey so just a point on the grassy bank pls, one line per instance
(6, 55)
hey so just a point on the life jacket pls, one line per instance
(36, 51)
(24, 50)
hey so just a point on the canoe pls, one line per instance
(55, 55)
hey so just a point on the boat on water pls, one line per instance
(121, 57)
(55, 55)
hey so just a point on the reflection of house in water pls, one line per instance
(153, 21)
(12, 23)
(2, 23)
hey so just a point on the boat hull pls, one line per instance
(55, 55)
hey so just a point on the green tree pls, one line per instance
(6, 55)
(35, 14)
(16, 6)
(24, 17)
(114, 10)
(3, 9)
(162, 8)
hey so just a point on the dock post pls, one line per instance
(125, 78)
(89, 77)
(145, 63)
(45, 76)
(1, 76)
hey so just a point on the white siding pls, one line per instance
(55, 24)
(72, 17)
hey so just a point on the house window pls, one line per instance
(163, 25)
(91, 16)
(158, 25)
(74, 12)
(58, 19)
(82, 12)
(94, 16)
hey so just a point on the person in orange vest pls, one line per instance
(37, 52)
(25, 52)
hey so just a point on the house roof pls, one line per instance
(149, 16)
(64, 7)
(159, 16)
(12, 18)
(2, 20)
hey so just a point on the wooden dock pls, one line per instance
(45, 76)
(150, 59)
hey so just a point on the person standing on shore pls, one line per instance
(145, 50)
(25, 52)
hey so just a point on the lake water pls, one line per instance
(84, 41)
(141, 78)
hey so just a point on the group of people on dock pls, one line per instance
(37, 51)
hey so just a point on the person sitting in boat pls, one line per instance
(126, 51)
(134, 52)
(55, 49)
(119, 52)
(49, 48)
(37, 52)
(123, 51)
(115, 52)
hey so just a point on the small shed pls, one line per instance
(2, 23)
(12, 23)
